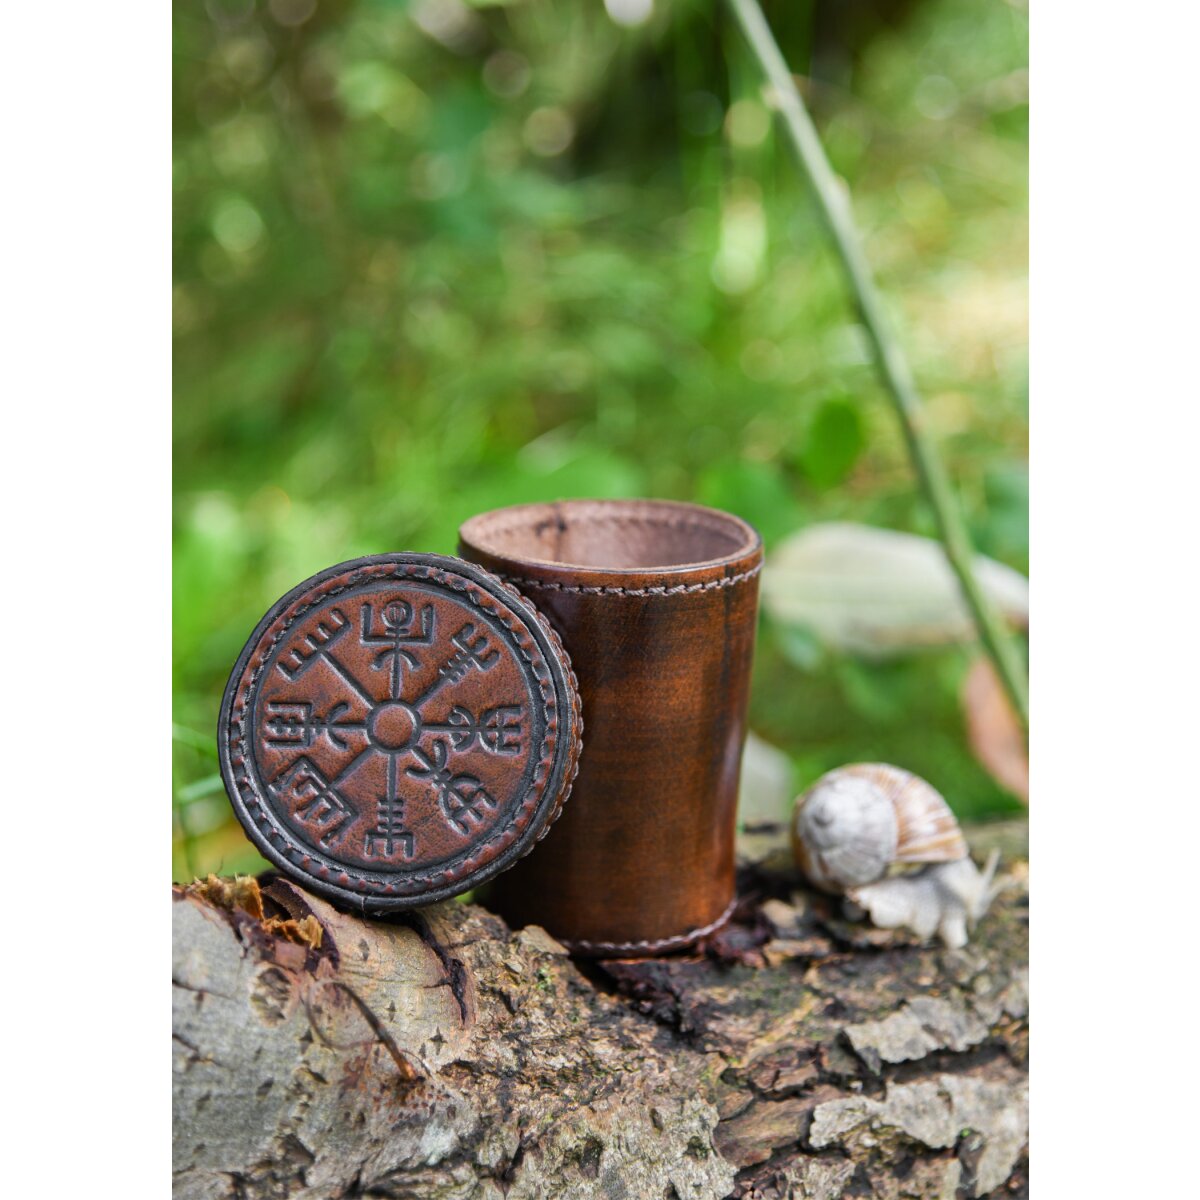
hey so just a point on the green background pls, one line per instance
(440, 257)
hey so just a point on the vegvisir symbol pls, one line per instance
(463, 797)
(314, 799)
(394, 727)
(498, 729)
(389, 821)
(292, 723)
(397, 625)
(317, 643)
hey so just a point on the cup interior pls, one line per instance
(613, 535)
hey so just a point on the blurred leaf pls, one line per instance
(1004, 529)
(832, 444)
(755, 491)
(800, 646)
(905, 711)
(876, 592)
(995, 733)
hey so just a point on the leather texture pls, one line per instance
(656, 603)
(398, 729)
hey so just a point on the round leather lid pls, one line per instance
(399, 729)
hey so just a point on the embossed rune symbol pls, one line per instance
(417, 743)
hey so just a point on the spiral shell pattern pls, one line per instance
(857, 822)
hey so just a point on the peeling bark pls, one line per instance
(442, 1054)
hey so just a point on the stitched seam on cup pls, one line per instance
(662, 945)
(681, 589)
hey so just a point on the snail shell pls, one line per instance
(856, 823)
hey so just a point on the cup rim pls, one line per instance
(478, 531)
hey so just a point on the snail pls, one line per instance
(887, 841)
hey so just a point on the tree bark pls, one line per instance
(318, 1054)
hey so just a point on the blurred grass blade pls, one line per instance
(833, 201)
(205, 743)
(210, 785)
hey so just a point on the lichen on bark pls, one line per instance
(442, 1054)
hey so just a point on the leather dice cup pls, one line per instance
(406, 727)
(656, 605)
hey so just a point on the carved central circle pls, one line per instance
(393, 726)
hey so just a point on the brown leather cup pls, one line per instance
(656, 603)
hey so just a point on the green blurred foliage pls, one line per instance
(832, 443)
(437, 257)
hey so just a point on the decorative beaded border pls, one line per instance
(415, 887)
